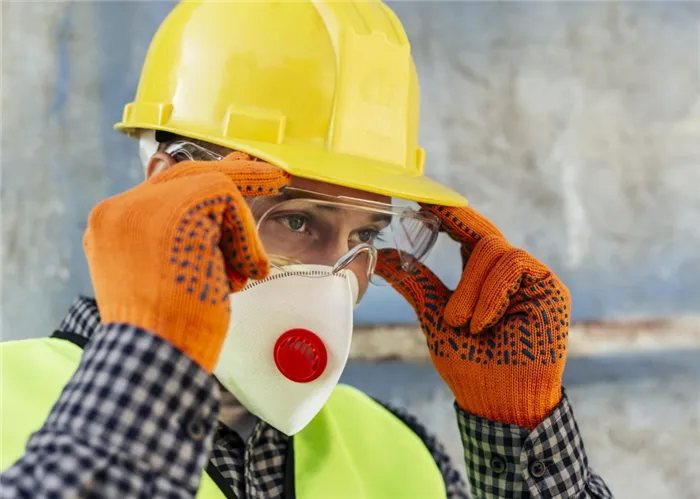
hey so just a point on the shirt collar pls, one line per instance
(81, 321)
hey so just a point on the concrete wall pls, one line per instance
(639, 416)
(574, 126)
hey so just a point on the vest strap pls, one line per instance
(220, 481)
(289, 481)
(76, 339)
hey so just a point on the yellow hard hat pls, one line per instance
(326, 90)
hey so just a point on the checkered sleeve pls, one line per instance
(508, 461)
(135, 420)
(455, 486)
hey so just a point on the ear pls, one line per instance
(159, 162)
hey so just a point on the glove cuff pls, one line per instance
(505, 399)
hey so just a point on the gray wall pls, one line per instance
(638, 415)
(574, 126)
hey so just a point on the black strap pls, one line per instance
(289, 485)
(76, 339)
(220, 481)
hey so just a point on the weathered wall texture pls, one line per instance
(574, 126)
(639, 416)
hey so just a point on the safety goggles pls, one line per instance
(305, 228)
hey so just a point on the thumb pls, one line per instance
(421, 288)
(487, 253)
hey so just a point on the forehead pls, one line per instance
(337, 190)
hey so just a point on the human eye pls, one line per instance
(368, 235)
(294, 222)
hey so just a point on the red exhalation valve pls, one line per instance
(300, 355)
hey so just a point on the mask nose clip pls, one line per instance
(349, 257)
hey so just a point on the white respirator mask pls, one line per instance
(288, 342)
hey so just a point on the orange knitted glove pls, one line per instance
(165, 255)
(499, 340)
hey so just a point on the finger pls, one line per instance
(254, 178)
(465, 252)
(218, 225)
(236, 281)
(251, 177)
(464, 225)
(244, 255)
(501, 285)
(462, 304)
(421, 288)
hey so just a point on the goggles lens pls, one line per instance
(341, 233)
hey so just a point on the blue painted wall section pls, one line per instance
(574, 126)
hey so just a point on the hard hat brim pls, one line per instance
(339, 169)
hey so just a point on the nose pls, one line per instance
(360, 261)
(332, 251)
(336, 253)
(359, 268)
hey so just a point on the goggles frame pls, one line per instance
(195, 152)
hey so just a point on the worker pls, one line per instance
(283, 178)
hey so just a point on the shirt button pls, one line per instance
(498, 465)
(195, 429)
(537, 469)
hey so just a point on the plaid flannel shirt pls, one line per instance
(139, 419)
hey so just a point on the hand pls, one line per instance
(499, 340)
(165, 255)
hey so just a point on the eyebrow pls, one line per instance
(382, 217)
